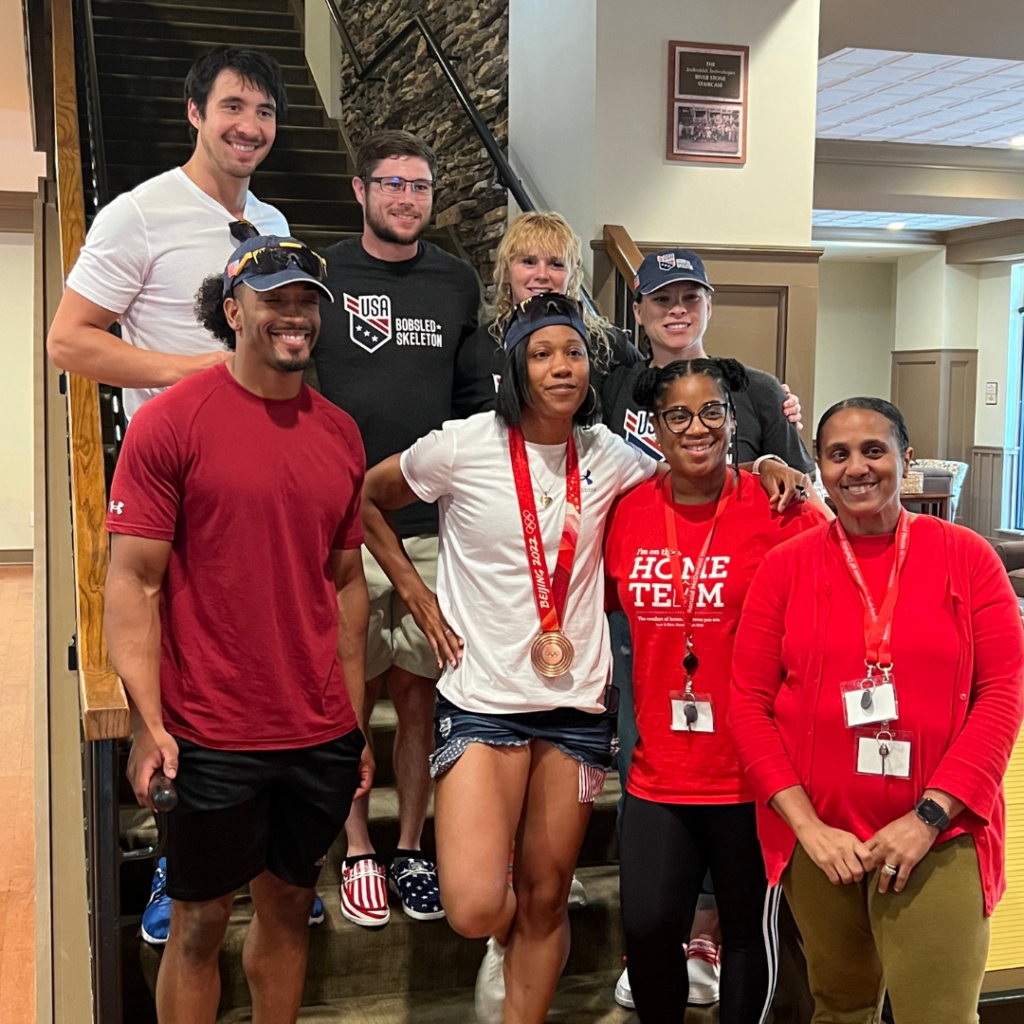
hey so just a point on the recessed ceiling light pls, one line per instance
(896, 225)
(1017, 142)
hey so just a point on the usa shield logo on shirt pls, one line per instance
(639, 427)
(369, 320)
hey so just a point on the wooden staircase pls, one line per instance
(144, 51)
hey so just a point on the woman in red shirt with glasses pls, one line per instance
(876, 699)
(681, 550)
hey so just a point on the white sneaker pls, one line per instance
(704, 967)
(490, 985)
(623, 993)
(577, 894)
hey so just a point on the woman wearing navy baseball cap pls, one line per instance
(524, 721)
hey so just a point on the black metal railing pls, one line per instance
(364, 71)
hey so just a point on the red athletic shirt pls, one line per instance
(671, 766)
(958, 659)
(253, 494)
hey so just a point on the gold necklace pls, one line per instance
(545, 497)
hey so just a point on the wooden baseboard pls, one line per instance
(16, 556)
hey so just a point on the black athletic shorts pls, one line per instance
(241, 812)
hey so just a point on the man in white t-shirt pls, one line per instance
(148, 251)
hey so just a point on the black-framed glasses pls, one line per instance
(395, 186)
(242, 230)
(678, 418)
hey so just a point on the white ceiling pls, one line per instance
(891, 96)
(876, 252)
(874, 219)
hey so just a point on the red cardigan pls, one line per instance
(801, 635)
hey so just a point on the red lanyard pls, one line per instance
(878, 624)
(550, 597)
(688, 593)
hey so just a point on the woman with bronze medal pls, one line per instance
(682, 550)
(525, 717)
(877, 695)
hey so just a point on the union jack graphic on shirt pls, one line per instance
(369, 320)
(639, 427)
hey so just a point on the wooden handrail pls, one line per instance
(622, 251)
(104, 704)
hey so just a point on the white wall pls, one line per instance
(856, 332)
(16, 272)
(323, 54)
(936, 303)
(998, 328)
(587, 119)
(552, 76)
(768, 200)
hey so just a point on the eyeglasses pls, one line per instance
(242, 230)
(273, 258)
(420, 187)
(678, 419)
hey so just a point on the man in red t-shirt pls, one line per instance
(236, 614)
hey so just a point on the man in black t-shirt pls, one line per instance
(386, 356)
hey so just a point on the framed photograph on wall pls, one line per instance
(707, 102)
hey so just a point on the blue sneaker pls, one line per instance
(414, 881)
(156, 918)
(316, 915)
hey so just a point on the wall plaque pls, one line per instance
(707, 102)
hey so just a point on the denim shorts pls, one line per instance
(587, 738)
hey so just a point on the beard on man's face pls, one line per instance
(296, 364)
(378, 224)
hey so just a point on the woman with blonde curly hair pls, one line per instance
(538, 253)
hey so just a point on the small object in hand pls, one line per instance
(162, 792)
(889, 869)
(691, 714)
(690, 663)
(801, 489)
(866, 701)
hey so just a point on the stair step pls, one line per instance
(154, 157)
(186, 49)
(347, 961)
(167, 11)
(238, 7)
(285, 185)
(271, 39)
(581, 999)
(290, 137)
(148, 65)
(340, 212)
(154, 87)
(157, 109)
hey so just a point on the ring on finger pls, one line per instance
(889, 869)
(446, 632)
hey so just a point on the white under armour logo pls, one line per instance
(117, 507)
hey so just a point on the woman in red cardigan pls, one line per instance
(876, 698)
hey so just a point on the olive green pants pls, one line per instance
(927, 945)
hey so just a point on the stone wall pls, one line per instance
(414, 95)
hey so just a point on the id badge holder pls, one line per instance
(871, 700)
(884, 752)
(692, 712)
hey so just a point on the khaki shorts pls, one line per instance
(393, 637)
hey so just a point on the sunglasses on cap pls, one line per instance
(271, 259)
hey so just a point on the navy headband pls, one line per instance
(551, 309)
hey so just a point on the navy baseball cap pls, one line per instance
(266, 262)
(547, 310)
(661, 268)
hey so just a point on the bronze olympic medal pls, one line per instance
(552, 654)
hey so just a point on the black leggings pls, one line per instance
(665, 851)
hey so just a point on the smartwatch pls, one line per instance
(932, 814)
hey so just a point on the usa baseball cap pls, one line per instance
(266, 262)
(661, 268)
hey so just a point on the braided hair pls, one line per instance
(730, 375)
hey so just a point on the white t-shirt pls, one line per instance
(146, 255)
(484, 585)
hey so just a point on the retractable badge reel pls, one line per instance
(691, 712)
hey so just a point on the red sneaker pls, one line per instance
(364, 892)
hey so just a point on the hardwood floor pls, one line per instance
(17, 881)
